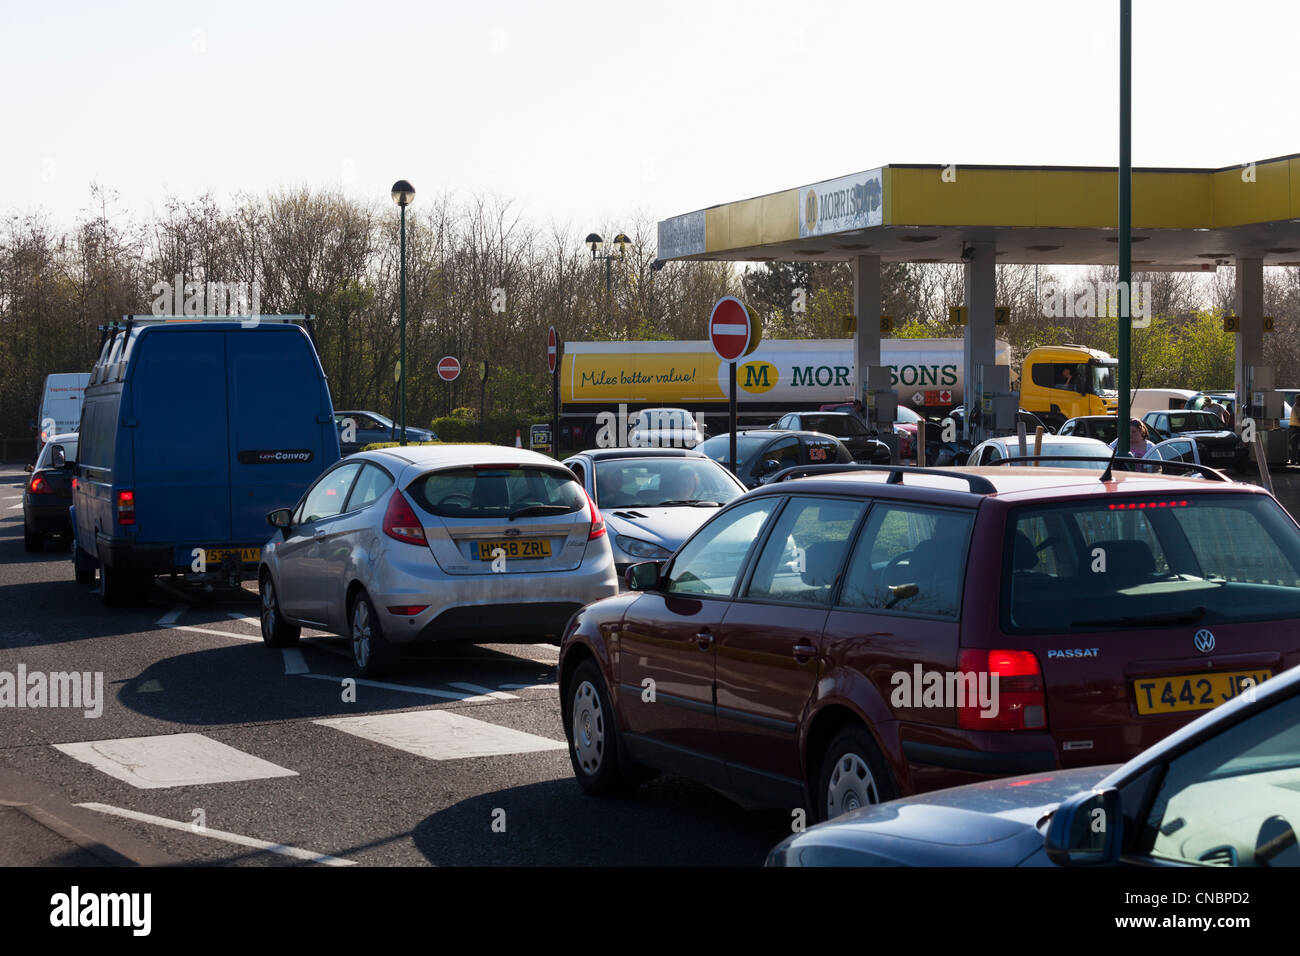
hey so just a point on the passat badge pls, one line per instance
(1204, 641)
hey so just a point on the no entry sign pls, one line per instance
(551, 349)
(731, 329)
(448, 368)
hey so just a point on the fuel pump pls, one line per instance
(997, 403)
(882, 406)
(1264, 406)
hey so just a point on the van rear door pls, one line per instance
(282, 432)
(178, 424)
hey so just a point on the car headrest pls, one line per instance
(1125, 557)
(490, 491)
(822, 563)
(1024, 558)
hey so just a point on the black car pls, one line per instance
(1100, 427)
(855, 436)
(761, 453)
(1218, 792)
(357, 429)
(1217, 446)
(47, 495)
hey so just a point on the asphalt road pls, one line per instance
(202, 723)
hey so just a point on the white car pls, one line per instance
(665, 428)
(1053, 446)
(434, 543)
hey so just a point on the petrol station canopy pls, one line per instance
(1183, 219)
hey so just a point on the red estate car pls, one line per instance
(843, 639)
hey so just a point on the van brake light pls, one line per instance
(126, 507)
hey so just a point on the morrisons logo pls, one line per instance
(823, 375)
(758, 377)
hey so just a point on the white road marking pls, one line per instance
(12, 507)
(294, 662)
(172, 760)
(208, 630)
(442, 735)
(281, 848)
(476, 689)
(171, 617)
(527, 686)
(426, 691)
(237, 616)
(12, 497)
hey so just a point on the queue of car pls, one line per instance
(802, 630)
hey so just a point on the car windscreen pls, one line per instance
(1138, 561)
(907, 416)
(496, 492)
(841, 426)
(1194, 422)
(654, 482)
(69, 451)
(1063, 450)
(719, 448)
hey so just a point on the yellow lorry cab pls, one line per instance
(1059, 382)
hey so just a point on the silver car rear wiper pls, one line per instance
(532, 510)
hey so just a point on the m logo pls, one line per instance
(810, 210)
(1204, 641)
(758, 377)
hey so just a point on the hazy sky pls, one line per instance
(586, 113)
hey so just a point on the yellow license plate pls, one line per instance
(520, 548)
(243, 555)
(1170, 695)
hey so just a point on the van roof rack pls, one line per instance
(164, 319)
(978, 484)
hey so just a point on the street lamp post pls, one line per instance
(403, 195)
(621, 240)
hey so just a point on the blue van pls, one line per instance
(191, 432)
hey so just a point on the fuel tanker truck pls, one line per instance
(781, 375)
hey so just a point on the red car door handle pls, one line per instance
(704, 640)
(804, 652)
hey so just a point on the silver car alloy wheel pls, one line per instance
(268, 607)
(588, 728)
(361, 633)
(851, 786)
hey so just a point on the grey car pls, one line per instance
(1052, 446)
(652, 499)
(1219, 792)
(426, 543)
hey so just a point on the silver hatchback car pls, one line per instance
(459, 542)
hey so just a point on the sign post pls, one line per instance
(733, 334)
(553, 364)
(482, 398)
(448, 368)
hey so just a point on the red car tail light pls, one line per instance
(400, 522)
(126, 507)
(1021, 701)
(597, 521)
(38, 485)
(407, 610)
